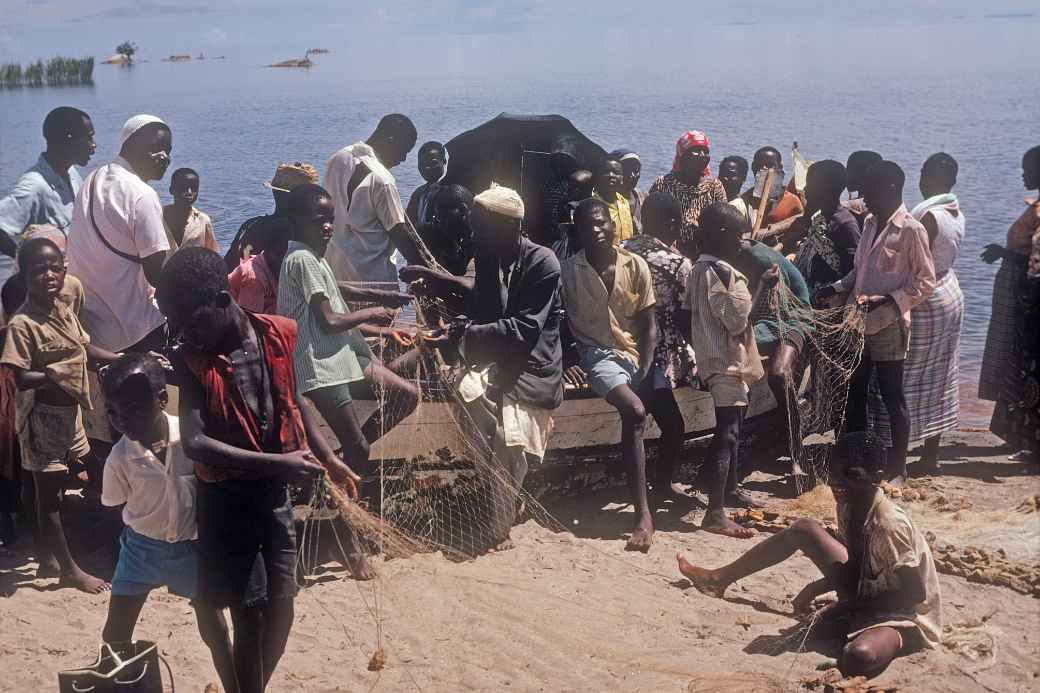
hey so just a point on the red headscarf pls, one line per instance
(687, 141)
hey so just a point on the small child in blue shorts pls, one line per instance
(149, 475)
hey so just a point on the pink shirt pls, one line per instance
(254, 287)
(894, 261)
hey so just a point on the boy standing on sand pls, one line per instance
(49, 351)
(243, 425)
(878, 562)
(727, 358)
(149, 475)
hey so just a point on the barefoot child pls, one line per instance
(149, 475)
(242, 424)
(49, 351)
(879, 564)
(727, 358)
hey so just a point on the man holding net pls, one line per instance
(892, 272)
(510, 344)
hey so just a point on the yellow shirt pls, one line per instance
(621, 215)
(599, 320)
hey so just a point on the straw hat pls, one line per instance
(288, 176)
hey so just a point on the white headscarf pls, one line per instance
(136, 123)
(501, 200)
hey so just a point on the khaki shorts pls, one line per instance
(727, 390)
(890, 344)
(52, 437)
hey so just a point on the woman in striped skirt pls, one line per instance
(931, 375)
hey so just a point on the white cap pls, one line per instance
(501, 200)
(136, 123)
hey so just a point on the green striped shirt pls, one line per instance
(321, 358)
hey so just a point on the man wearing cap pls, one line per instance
(510, 343)
(370, 218)
(117, 242)
(44, 194)
(286, 177)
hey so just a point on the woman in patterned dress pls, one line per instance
(692, 185)
(673, 358)
(1016, 418)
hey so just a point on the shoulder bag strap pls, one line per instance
(126, 256)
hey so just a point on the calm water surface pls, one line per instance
(234, 121)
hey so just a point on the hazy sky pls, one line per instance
(579, 34)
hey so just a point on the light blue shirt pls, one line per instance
(40, 196)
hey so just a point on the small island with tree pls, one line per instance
(124, 54)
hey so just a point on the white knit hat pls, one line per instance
(136, 123)
(501, 200)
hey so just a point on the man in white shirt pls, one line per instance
(44, 194)
(149, 474)
(117, 242)
(370, 219)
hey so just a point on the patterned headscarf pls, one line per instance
(687, 141)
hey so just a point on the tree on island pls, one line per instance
(126, 48)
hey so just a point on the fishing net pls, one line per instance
(438, 484)
(817, 391)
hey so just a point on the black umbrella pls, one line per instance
(522, 152)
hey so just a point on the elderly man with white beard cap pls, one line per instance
(117, 246)
(510, 342)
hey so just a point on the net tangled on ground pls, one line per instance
(833, 348)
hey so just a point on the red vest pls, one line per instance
(227, 417)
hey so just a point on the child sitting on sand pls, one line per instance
(879, 563)
(149, 475)
(49, 351)
(727, 359)
(242, 423)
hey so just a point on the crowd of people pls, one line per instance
(108, 295)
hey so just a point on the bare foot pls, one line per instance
(504, 545)
(704, 580)
(664, 492)
(742, 499)
(84, 582)
(926, 466)
(642, 536)
(48, 568)
(716, 522)
(359, 566)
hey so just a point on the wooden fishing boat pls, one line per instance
(583, 423)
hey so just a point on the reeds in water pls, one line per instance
(55, 72)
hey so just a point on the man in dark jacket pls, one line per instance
(510, 345)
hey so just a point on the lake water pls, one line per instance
(234, 120)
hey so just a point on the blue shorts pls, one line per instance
(146, 563)
(605, 369)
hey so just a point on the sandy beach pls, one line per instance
(575, 612)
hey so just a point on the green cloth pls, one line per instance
(321, 358)
(752, 262)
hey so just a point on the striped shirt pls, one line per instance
(722, 340)
(321, 358)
